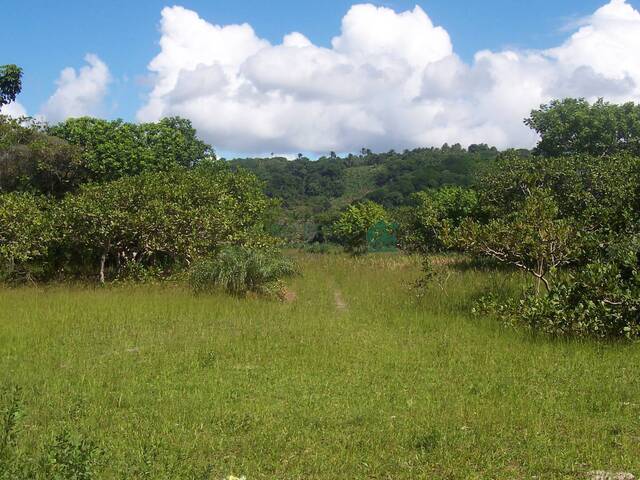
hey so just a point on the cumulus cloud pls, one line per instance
(79, 93)
(389, 80)
(13, 109)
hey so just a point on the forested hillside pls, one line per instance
(314, 191)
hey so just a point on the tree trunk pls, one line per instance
(103, 261)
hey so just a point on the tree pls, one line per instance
(601, 299)
(31, 160)
(10, 83)
(26, 232)
(599, 197)
(580, 211)
(164, 219)
(574, 126)
(113, 149)
(532, 238)
(354, 223)
(436, 212)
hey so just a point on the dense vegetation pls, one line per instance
(10, 83)
(315, 192)
(114, 200)
(92, 198)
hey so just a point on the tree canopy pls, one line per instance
(574, 126)
(10, 83)
(112, 149)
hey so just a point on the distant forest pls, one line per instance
(314, 191)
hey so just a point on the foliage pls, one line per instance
(122, 199)
(26, 232)
(240, 270)
(599, 197)
(314, 192)
(600, 300)
(58, 159)
(10, 83)
(532, 238)
(574, 126)
(353, 224)
(71, 458)
(294, 180)
(423, 226)
(164, 219)
(580, 210)
(31, 160)
(113, 149)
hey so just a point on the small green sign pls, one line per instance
(382, 237)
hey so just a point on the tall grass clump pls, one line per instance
(240, 270)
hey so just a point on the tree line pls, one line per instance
(314, 192)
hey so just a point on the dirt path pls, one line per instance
(341, 305)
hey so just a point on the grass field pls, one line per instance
(353, 379)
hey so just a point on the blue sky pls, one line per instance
(45, 37)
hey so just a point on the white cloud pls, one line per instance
(79, 93)
(13, 109)
(389, 80)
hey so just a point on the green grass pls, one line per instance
(354, 379)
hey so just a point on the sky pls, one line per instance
(288, 76)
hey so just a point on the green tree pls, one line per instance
(164, 219)
(113, 149)
(353, 224)
(601, 299)
(10, 83)
(26, 232)
(531, 238)
(435, 213)
(31, 160)
(574, 126)
(601, 199)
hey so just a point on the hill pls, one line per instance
(313, 192)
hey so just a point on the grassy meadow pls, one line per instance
(353, 377)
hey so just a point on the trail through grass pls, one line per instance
(172, 386)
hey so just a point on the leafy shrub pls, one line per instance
(354, 223)
(164, 220)
(240, 270)
(435, 211)
(600, 300)
(598, 196)
(71, 458)
(532, 238)
(26, 233)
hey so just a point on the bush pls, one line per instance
(601, 300)
(354, 223)
(435, 211)
(164, 221)
(26, 234)
(240, 270)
